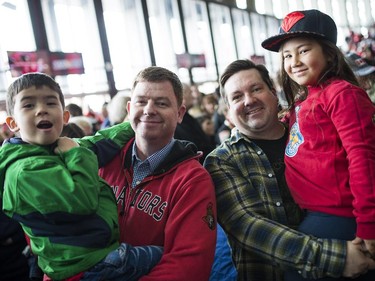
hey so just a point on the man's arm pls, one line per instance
(352, 114)
(272, 241)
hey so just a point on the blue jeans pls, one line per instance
(223, 268)
(328, 226)
(125, 263)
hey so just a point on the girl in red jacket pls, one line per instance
(330, 155)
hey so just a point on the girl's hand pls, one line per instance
(64, 144)
(368, 246)
(357, 261)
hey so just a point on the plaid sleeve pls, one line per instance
(240, 186)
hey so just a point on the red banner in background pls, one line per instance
(66, 63)
(24, 62)
(258, 59)
(187, 60)
(51, 63)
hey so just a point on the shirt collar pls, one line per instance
(155, 159)
(236, 136)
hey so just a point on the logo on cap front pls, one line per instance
(291, 19)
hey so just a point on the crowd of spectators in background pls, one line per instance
(208, 108)
(361, 56)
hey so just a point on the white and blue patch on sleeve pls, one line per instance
(295, 138)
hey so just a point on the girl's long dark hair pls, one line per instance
(336, 67)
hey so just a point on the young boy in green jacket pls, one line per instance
(51, 186)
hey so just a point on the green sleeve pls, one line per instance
(119, 134)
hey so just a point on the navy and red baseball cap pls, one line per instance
(298, 23)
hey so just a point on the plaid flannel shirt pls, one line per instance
(251, 211)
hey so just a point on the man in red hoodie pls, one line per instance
(164, 195)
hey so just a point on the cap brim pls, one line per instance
(274, 43)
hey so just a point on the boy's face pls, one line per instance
(38, 116)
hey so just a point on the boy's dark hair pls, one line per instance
(240, 65)
(203, 118)
(72, 130)
(29, 80)
(160, 74)
(74, 109)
